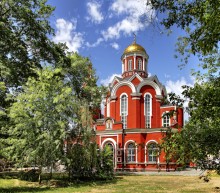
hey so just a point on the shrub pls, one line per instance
(31, 175)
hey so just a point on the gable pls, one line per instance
(135, 81)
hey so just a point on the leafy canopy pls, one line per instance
(24, 40)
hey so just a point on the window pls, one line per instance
(139, 64)
(110, 146)
(147, 109)
(166, 120)
(124, 110)
(152, 152)
(131, 153)
(129, 65)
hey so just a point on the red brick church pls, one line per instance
(134, 120)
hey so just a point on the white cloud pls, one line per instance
(98, 41)
(94, 12)
(108, 80)
(66, 34)
(166, 75)
(133, 10)
(115, 45)
(176, 86)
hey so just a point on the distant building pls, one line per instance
(135, 115)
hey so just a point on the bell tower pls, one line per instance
(134, 60)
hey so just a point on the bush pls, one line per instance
(31, 175)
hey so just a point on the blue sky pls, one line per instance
(101, 30)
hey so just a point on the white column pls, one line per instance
(136, 155)
(126, 69)
(134, 61)
(143, 64)
(122, 67)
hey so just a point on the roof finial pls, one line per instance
(134, 38)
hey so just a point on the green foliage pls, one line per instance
(24, 42)
(200, 19)
(41, 117)
(82, 78)
(85, 161)
(25, 45)
(31, 175)
(199, 140)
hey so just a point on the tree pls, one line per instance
(199, 139)
(25, 46)
(24, 40)
(200, 19)
(41, 117)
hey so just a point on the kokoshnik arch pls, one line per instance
(133, 122)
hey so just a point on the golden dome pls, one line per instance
(134, 48)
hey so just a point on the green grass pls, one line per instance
(123, 184)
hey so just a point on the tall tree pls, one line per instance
(24, 41)
(41, 117)
(25, 45)
(199, 139)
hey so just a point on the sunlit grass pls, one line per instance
(130, 184)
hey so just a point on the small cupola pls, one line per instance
(134, 60)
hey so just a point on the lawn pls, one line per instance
(130, 184)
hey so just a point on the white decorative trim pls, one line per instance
(151, 141)
(122, 68)
(122, 83)
(135, 98)
(108, 107)
(135, 76)
(151, 83)
(134, 61)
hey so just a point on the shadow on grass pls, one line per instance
(24, 189)
(56, 184)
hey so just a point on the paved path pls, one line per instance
(188, 172)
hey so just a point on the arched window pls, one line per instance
(139, 64)
(129, 65)
(131, 152)
(110, 146)
(152, 152)
(124, 110)
(147, 110)
(166, 120)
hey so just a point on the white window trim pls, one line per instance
(129, 65)
(146, 154)
(150, 108)
(163, 119)
(140, 64)
(127, 102)
(130, 141)
(147, 93)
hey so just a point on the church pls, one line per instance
(135, 116)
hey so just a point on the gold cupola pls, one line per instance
(134, 47)
(134, 60)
